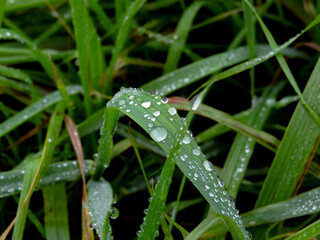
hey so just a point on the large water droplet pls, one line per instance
(172, 110)
(186, 139)
(146, 104)
(196, 152)
(164, 100)
(207, 165)
(158, 134)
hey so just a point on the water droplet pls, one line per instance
(128, 110)
(159, 134)
(196, 152)
(186, 139)
(164, 100)
(207, 187)
(221, 183)
(153, 92)
(172, 111)
(146, 104)
(207, 165)
(121, 102)
(115, 213)
(150, 125)
(183, 157)
(153, 119)
(131, 97)
(156, 113)
(211, 194)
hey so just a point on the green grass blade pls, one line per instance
(180, 37)
(296, 150)
(308, 232)
(67, 171)
(195, 71)
(3, 5)
(29, 173)
(35, 108)
(263, 138)
(284, 65)
(100, 200)
(56, 212)
(242, 148)
(81, 28)
(161, 121)
(123, 33)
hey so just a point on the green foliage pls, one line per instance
(136, 77)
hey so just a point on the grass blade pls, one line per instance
(307, 233)
(56, 212)
(180, 37)
(161, 122)
(35, 108)
(299, 143)
(100, 200)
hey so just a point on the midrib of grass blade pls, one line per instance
(49, 145)
(35, 108)
(56, 212)
(242, 148)
(284, 65)
(29, 173)
(301, 205)
(123, 32)
(263, 138)
(180, 37)
(153, 115)
(195, 71)
(296, 150)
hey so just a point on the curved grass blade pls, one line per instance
(3, 5)
(67, 171)
(161, 122)
(35, 108)
(180, 36)
(100, 200)
(195, 71)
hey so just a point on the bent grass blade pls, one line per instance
(162, 122)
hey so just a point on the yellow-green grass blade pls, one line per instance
(123, 32)
(296, 150)
(301, 205)
(308, 232)
(100, 201)
(56, 212)
(162, 123)
(34, 109)
(195, 71)
(242, 148)
(180, 37)
(262, 137)
(29, 173)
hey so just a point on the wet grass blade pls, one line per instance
(162, 123)
(307, 233)
(100, 200)
(296, 150)
(35, 108)
(29, 173)
(180, 37)
(56, 212)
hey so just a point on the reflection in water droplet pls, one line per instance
(146, 104)
(159, 134)
(156, 113)
(196, 152)
(186, 139)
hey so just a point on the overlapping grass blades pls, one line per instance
(162, 122)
